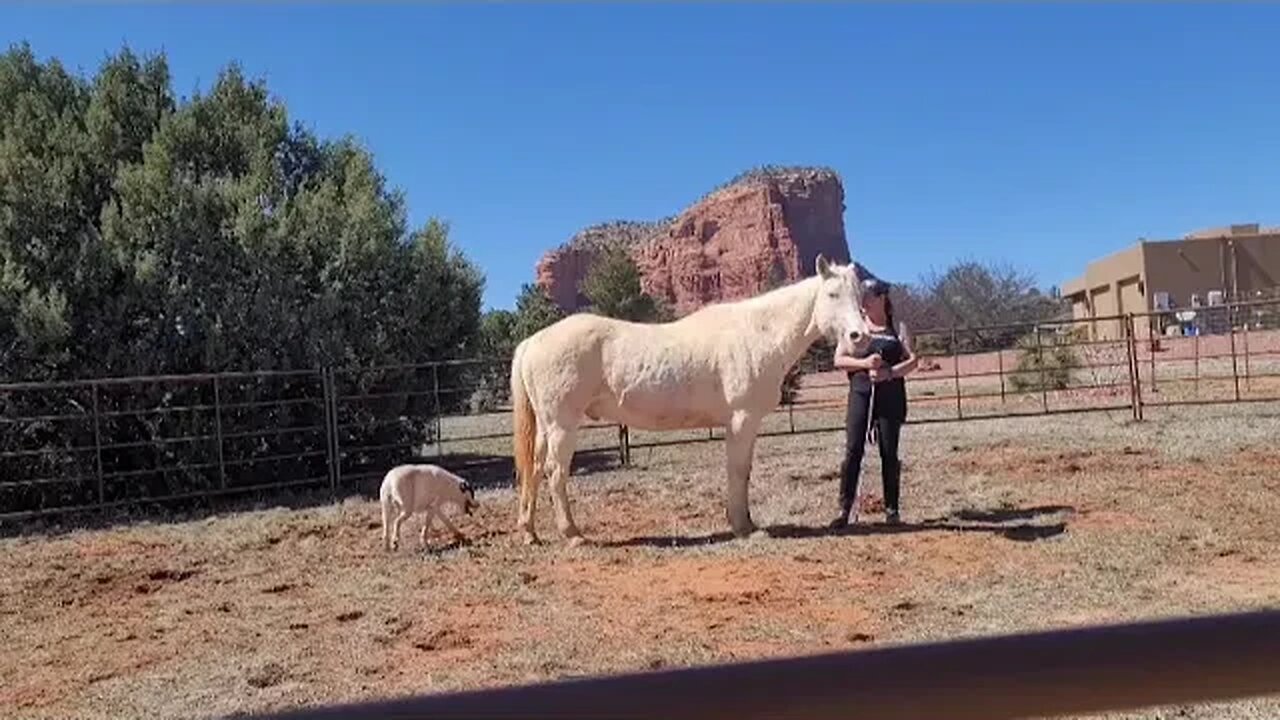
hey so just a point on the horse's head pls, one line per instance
(837, 310)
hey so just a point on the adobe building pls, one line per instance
(1202, 269)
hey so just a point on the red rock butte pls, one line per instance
(761, 229)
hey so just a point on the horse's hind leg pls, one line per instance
(401, 516)
(560, 446)
(529, 490)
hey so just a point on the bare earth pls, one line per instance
(1011, 525)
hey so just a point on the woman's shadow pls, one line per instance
(1016, 524)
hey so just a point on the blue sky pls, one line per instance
(1040, 134)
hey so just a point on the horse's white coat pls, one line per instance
(721, 366)
(426, 488)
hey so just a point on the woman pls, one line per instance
(882, 365)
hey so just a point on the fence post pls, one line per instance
(1044, 386)
(1196, 363)
(955, 370)
(1130, 365)
(97, 446)
(335, 439)
(1248, 383)
(1235, 368)
(329, 434)
(1151, 349)
(1137, 370)
(217, 428)
(1000, 371)
(435, 392)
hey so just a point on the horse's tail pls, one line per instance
(385, 496)
(524, 424)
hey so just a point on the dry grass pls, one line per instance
(1012, 525)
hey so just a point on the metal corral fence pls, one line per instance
(90, 445)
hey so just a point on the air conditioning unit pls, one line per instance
(1162, 300)
(1216, 297)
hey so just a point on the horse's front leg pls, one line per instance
(740, 441)
(561, 441)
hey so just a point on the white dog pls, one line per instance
(421, 488)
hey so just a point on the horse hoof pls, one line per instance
(530, 539)
(576, 541)
(759, 534)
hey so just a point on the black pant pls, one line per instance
(889, 426)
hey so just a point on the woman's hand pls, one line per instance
(845, 362)
(881, 374)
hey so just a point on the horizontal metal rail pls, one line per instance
(150, 379)
(127, 502)
(246, 417)
(1037, 674)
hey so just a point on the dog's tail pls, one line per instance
(524, 424)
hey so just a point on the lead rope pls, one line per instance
(872, 429)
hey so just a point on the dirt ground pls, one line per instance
(1010, 525)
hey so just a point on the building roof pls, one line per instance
(1076, 285)
(1231, 231)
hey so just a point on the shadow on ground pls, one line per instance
(973, 521)
(489, 471)
(483, 471)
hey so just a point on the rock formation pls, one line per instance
(763, 228)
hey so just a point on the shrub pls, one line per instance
(1046, 365)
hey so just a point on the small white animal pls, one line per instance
(409, 489)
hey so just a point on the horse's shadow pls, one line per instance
(968, 520)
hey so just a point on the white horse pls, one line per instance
(721, 366)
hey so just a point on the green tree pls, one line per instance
(500, 332)
(612, 285)
(534, 311)
(142, 235)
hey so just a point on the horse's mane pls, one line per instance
(759, 301)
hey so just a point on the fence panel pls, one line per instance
(92, 445)
(1220, 354)
(80, 445)
(988, 372)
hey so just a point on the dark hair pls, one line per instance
(876, 286)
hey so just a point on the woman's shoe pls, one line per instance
(842, 520)
(891, 517)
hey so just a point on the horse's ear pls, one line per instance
(823, 267)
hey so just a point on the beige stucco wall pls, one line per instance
(1110, 286)
(1127, 281)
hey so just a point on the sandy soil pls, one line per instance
(1011, 525)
